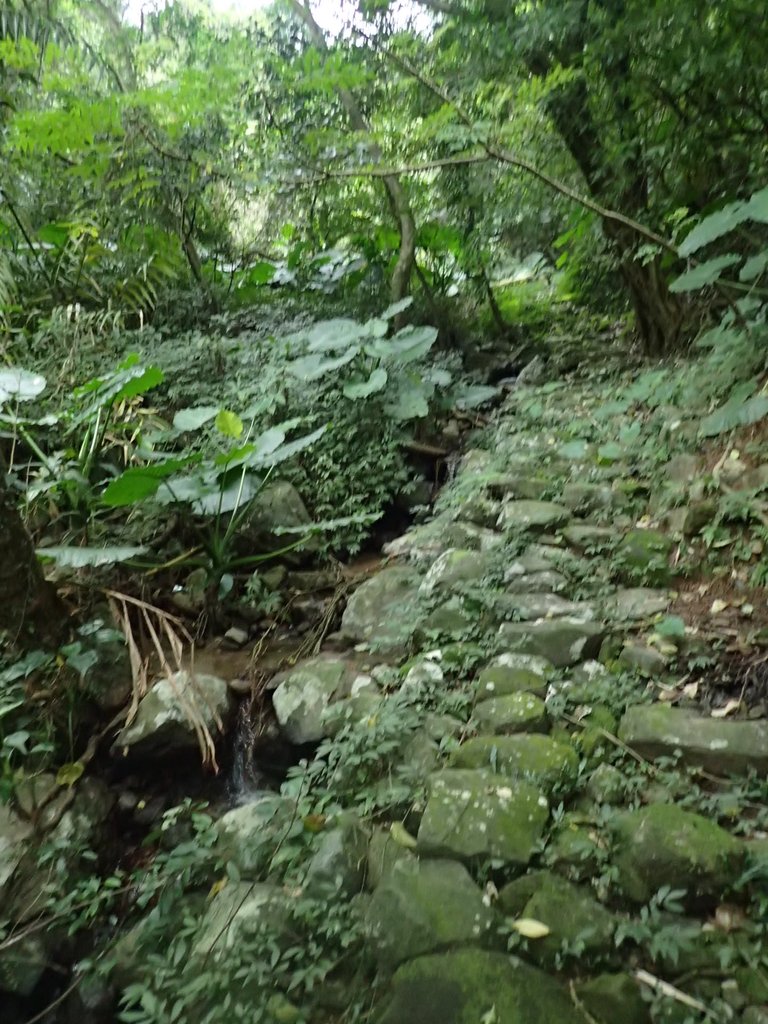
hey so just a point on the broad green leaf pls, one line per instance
(140, 482)
(332, 335)
(529, 928)
(20, 385)
(140, 383)
(411, 402)
(409, 344)
(194, 417)
(734, 414)
(471, 396)
(754, 267)
(315, 366)
(287, 451)
(80, 558)
(704, 274)
(757, 206)
(397, 307)
(671, 625)
(229, 424)
(364, 388)
(713, 227)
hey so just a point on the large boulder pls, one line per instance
(303, 693)
(540, 759)
(277, 506)
(338, 864)
(664, 845)
(721, 746)
(248, 835)
(525, 607)
(562, 642)
(476, 814)
(644, 555)
(238, 912)
(614, 997)
(469, 986)
(171, 713)
(384, 611)
(518, 712)
(514, 673)
(455, 567)
(636, 603)
(538, 516)
(424, 906)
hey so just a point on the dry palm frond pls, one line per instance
(169, 638)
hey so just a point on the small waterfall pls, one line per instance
(246, 783)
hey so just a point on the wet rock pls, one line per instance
(424, 906)
(537, 516)
(455, 567)
(514, 673)
(717, 744)
(644, 554)
(384, 611)
(303, 693)
(165, 720)
(467, 986)
(614, 997)
(543, 760)
(571, 914)
(664, 845)
(473, 814)
(426, 542)
(563, 642)
(636, 603)
(338, 864)
(534, 559)
(517, 712)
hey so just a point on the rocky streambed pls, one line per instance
(504, 802)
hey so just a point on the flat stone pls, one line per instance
(583, 538)
(644, 555)
(425, 542)
(662, 844)
(303, 693)
(517, 712)
(537, 516)
(166, 716)
(473, 814)
(719, 745)
(532, 606)
(455, 567)
(423, 906)
(536, 558)
(584, 497)
(646, 660)
(518, 485)
(546, 581)
(514, 673)
(469, 986)
(636, 603)
(563, 642)
(541, 759)
(383, 611)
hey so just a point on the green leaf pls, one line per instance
(410, 403)
(287, 451)
(315, 366)
(471, 396)
(397, 307)
(140, 482)
(713, 227)
(402, 836)
(704, 274)
(229, 424)
(671, 625)
(79, 558)
(194, 417)
(734, 414)
(409, 344)
(69, 773)
(141, 383)
(754, 267)
(529, 928)
(757, 206)
(20, 385)
(362, 389)
(332, 335)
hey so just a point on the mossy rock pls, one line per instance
(563, 642)
(610, 998)
(466, 986)
(514, 673)
(539, 758)
(644, 556)
(518, 712)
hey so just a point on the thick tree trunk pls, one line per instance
(31, 614)
(398, 198)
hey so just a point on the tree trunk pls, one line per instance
(398, 198)
(31, 614)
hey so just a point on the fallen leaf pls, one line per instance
(726, 709)
(691, 690)
(217, 887)
(530, 929)
(401, 835)
(718, 606)
(747, 609)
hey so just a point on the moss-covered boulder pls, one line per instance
(423, 906)
(476, 814)
(518, 712)
(541, 759)
(303, 693)
(719, 745)
(570, 912)
(563, 642)
(469, 986)
(662, 844)
(644, 556)
(384, 610)
(514, 673)
(538, 516)
(526, 607)
(455, 567)
(383, 853)
(586, 538)
(634, 604)
(339, 861)
(610, 998)
(545, 582)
